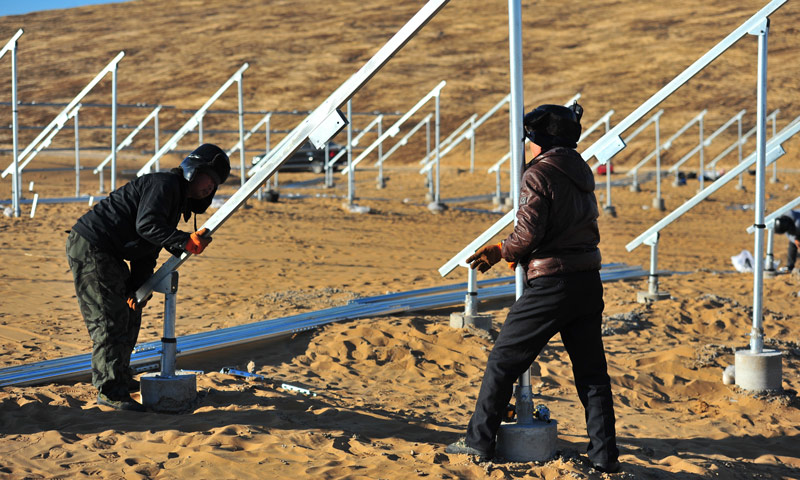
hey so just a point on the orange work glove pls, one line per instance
(137, 306)
(197, 242)
(485, 257)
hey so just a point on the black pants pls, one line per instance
(570, 304)
(791, 255)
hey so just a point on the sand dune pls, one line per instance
(393, 391)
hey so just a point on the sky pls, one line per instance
(18, 7)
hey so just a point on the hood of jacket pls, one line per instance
(570, 163)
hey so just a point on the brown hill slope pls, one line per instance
(616, 53)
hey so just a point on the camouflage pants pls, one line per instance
(100, 285)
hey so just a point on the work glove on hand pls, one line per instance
(197, 242)
(485, 257)
(137, 306)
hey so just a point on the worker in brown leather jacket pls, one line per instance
(555, 239)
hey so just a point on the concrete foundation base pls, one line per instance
(380, 184)
(759, 371)
(534, 442)
(437, 207)
(429, 196)
(770, 273)
(659, 204)
(647, 297)
(461, 320)
(353, 208)
(610, 210)
(168, 394)
(272, 196)
(635, 187)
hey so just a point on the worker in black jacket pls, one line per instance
(133, 223)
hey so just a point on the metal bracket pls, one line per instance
(168, 284)
(652, 239)
(333, 124)
(761, 28)
(611, 148)
(775, 154)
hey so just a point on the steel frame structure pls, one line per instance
(195, 121)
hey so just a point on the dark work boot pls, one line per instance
(611, 467)
(461, 447)
(123, 403)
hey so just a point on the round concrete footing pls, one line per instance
(272, 196)
(168, 394)
(535, 442)
(647, 297)
(635, 187)
(770, 273)
(659, 204)
(380, 184)
(610, 210)
(437, 207)
(759, 371)
(429, 197)
(462, 320)
(353, 208)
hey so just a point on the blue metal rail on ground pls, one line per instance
(149, 354)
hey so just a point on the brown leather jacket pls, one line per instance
(556, 229)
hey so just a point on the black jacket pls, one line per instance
(136, 220)
(556, 230)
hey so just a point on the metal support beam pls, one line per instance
(296, 137)
(61, 118)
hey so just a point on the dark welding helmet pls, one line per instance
(783, 224)
(207, 158)
(554, 125)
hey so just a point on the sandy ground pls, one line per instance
(393, 391)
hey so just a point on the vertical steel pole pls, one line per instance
(498, 192)
(757, 335)
(774, 178)
(516, 109)
(155, 138)
(241, 131)
(16, 180)
(200, 130)
(471, 302)
(652, 280)
(168, 342)
(770, 255)
(350, 178)
(702, 157)
(658, 202)
(77, 158)
(114, 127)
(472, 148)
(436, 146)
(609, 206)
(381, 182)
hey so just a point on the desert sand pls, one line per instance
(393, 391)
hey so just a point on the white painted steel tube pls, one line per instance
(242, 172)
(61, 118)
(299, 134)
(684, 77)
(125, 143)
(757, 334)
(395, 128)
(769, 221)
(524, 405)
(77, 157)
(437, 148)
(114, 127)
(773, 150)
(350, 178)
(192, 123)
(404, 141)
(17, 181)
